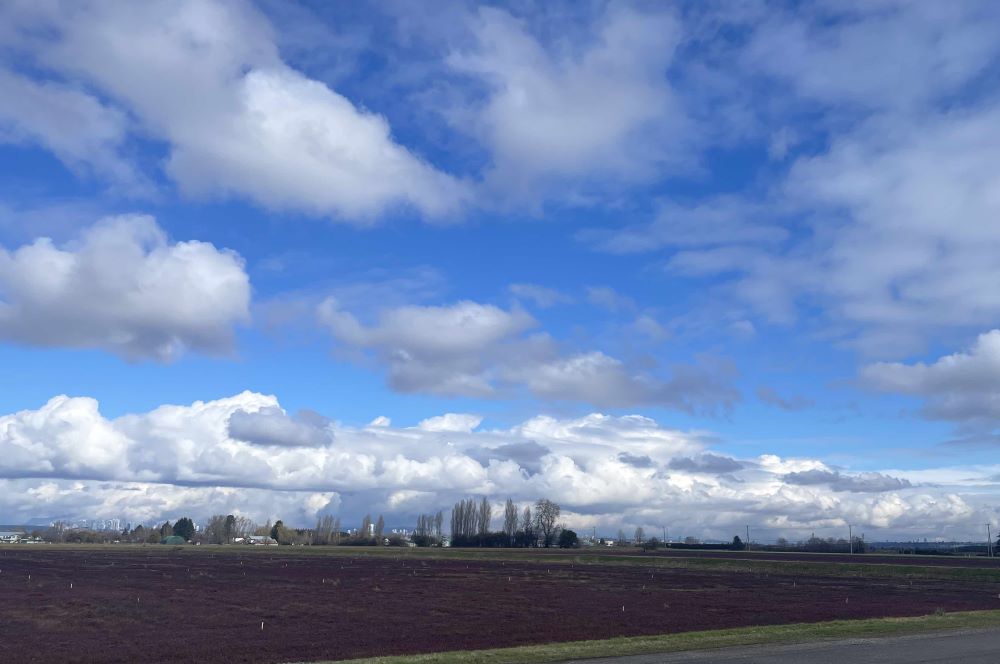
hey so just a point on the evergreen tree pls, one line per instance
(184, 528)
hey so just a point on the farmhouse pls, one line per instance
(10, 537)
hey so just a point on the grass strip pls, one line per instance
(723, 638)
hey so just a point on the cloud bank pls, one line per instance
(244, 453)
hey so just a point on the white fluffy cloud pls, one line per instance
(565, 112)
(124, 287)
(446, 350)
(207, 78)
(464, 422)
(473, 349)
(65, 460)
(963, 387)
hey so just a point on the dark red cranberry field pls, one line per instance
(154, 604)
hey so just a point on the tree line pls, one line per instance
(471, 520)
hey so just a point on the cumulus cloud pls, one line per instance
(464, 422)
(602, 108)
(66, 460)
(473, 349)
(637, 460)
(527, 455)
(860, 483)
(706, 463)
(237, 119)
(602, 380)
(124, 287)
(962, 387)
(272, 426)
(445, 350)
(41, 502)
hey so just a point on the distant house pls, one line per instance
(262, 540)
(10, 537)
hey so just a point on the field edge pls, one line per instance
(703, 640)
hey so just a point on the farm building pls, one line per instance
(10, 537)
(263, 540)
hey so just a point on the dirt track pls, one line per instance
(158, 605)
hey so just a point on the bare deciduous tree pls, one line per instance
(528, 526)
(465, 518)
(546, 515)
(215, 530)
(484, 517)
(510, 521)
(324, 530)
(640, 535)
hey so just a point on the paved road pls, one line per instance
(967, 647)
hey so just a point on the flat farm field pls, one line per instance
(866, 559)
(152, 604)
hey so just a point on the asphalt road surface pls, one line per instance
(967, 647)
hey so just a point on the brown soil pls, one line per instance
(156, 604)
(866, 559)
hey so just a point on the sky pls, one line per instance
(686, 266)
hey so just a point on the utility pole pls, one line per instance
(748, 537)
(850, 537)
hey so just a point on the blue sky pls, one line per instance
(769, 229)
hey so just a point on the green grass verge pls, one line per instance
(639, 645)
